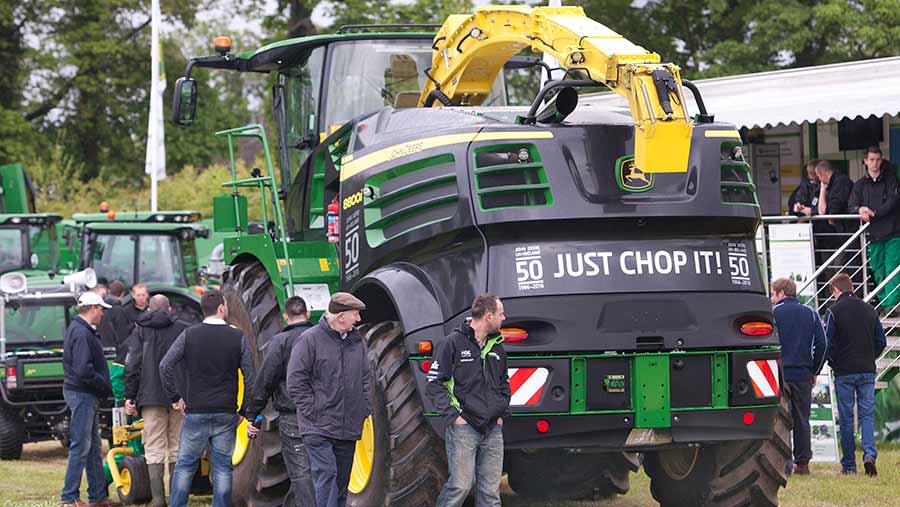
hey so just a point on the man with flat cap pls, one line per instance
(328, 381)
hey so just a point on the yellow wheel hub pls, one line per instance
(362, 459)
(125, 479)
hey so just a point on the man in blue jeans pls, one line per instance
(86, 382)
(211, 353)
(855, 339)
(469, 370)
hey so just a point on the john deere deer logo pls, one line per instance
(630, 178)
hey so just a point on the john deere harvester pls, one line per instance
(621, 243)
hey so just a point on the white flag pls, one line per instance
(156, 142)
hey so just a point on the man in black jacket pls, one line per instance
(153, 335)
(114, 330)
(855, 340)
(271, 382)
(328, 380)
(210, 354)
(86, 382)
(469, 386)
(874, 198)
(805, 198)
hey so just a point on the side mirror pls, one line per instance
(184, 101)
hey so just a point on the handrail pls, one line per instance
(837, 253)
(787, 218)
(881, 285)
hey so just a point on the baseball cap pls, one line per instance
(92, 299)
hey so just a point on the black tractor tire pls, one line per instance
(139, 490)
(12, 435)
(409, 464)
(553, 474)
(746, 473)
(260, 479)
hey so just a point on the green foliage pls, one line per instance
(379, 11)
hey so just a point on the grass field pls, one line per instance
(37, 478)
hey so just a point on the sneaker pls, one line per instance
(848, 471)
(801, 469)
(869, 463)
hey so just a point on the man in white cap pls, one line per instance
(86, 383)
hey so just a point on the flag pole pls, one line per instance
(155, 163)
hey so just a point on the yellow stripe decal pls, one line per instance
(722, 133)
(352, 166)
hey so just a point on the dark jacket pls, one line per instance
(802, 339)
(115, 328)
(328, 380)
(881, 196)
(84, 365)
(210, 354)
(837, 196)
(807, 194)
(468, 380)
(151, 339)
(855, 336)
(271, 378)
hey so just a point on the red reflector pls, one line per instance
(10, 371)
(756, 329)
(543, 426)
(749, 418)
(426, 365)
(514, 334)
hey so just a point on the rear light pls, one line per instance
(424, 347)
(543, 426)
(749, 418)
(11, 380)
(756, 329)
(425, 365)
(514, 334)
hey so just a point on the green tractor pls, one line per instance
(157, 249)
(621, 243)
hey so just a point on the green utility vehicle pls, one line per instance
(34, 316)
(635, 323)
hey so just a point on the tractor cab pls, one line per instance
(141, 247)
(28, 243)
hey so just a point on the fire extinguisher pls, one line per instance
(334, 227)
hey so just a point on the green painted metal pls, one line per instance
(650, 391)
(15, 193)
(224, 218)
(579, 385)
(535, 184)
(42, 370)
(181, 216)
(720, 380)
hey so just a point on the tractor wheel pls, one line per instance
(554, 474)
(259, 478)
(135, 477)
(739, 473)
(399, 461)
(12, 435)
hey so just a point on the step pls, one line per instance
(880, 385)
(885, 362)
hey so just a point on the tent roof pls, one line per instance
(825, 92)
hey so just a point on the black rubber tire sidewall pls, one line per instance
(12, 435)
(139, 493)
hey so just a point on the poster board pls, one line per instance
(766, 161)
(791, 256)
(822, 419)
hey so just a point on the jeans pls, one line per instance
(800, 393)
(85, 454)
(331, 461)
(472, 456)
(296, 459)
(856, 389)
(199, 431)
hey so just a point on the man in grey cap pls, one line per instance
(328, 381)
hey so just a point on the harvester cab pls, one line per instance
(621, 243)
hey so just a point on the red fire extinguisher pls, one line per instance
(333, 218)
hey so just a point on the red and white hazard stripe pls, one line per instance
(764, 377)
(526, 385)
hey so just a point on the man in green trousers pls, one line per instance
(874, 198)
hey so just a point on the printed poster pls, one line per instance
(821, 420)
(791, 256)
